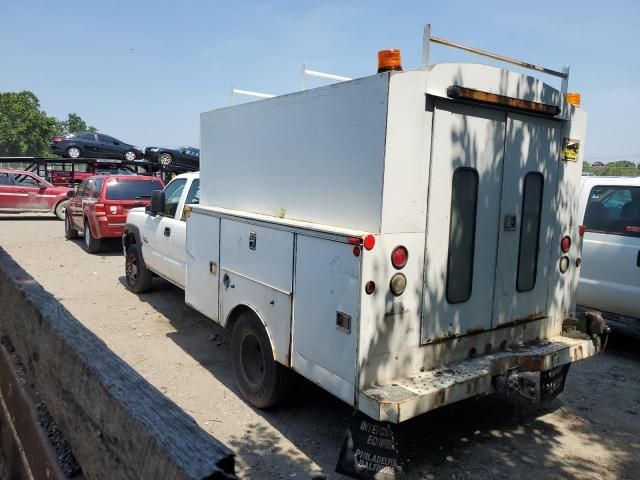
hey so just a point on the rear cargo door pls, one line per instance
(527, 218)
(463, 219)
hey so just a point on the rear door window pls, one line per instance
(530, 231)
(125, 189)
(4, 179)
(462, 234)
(613, 210)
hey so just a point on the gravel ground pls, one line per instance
(592, 431)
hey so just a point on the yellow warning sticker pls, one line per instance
(570, 148)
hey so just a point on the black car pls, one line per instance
(93, 145)
(176, 156)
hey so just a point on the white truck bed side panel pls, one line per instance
(315, 155)
(259, 275)
(406, 171)
(327, 285)
(203, 236)
(563, 286)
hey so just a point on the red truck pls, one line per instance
(82, 172)
(22, 191)
(99, 207)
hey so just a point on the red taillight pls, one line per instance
(56, 139)
(354, 240)
(370, 287)
(100, 208)
(356, 251)
(369, 242)
(565, 244)
(581, 230)
(399, 257)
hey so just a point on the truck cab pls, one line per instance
(158, 235)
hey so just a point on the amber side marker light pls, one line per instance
(574, 98)
(389, 60)
(464, 93)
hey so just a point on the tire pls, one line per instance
(74, 152)
(165, 159)
(93, 244)
(262, 381)
(129, 155)
(70, 233)
(137, 275)
(60, 209)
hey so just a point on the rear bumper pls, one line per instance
(108, 230)
(406, 398)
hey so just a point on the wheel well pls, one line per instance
(59, 202)
(129, 238)
(236, 313)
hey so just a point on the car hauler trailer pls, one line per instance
(404, 240)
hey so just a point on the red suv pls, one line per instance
(22, 191)
(99, 208)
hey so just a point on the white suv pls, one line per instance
(610, 274)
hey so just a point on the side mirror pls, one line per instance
(157, 202)
(71, 193)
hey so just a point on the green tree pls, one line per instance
(74, 123)
(24, 128)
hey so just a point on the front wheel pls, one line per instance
(261, 380)
(60, 209)
(93, 244)
(130, 155)
(136, 272)
(70, 233)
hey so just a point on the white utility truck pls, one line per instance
(404, 240)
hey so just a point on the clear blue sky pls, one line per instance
(144, 70)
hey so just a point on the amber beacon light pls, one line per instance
(574, 98)
(389, 60)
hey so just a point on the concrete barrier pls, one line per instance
(119, 426)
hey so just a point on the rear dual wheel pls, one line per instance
(261, 380)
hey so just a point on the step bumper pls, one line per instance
(406, 398)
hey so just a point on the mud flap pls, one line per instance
(552, 383)
(369, 450)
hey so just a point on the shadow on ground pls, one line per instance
(582, 436)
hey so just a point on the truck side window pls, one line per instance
(613, 210)
(462, 233)
(172, 194)
(529, 231)
(193, 197)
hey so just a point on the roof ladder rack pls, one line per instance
(428, 38)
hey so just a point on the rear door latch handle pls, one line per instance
(167, 231)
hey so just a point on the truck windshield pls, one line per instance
(125, 189)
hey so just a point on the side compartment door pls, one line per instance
(256, 270)
(527, 217)
(202, 264)
(462, 220)
(326, 314)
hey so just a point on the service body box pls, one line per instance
(314, 192)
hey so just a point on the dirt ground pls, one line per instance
(592, 430)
